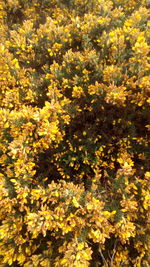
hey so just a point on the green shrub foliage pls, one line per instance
(74, 133)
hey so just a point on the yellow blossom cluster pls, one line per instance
(74, 133)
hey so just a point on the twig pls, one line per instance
(114, 252)
(103, 258)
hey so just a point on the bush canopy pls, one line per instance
(74, 133)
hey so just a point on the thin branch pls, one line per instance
(114, 252)
(103, 258)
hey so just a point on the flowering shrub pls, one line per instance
(74, 133)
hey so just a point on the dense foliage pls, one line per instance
(74, 133)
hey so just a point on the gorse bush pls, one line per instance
(74, 133)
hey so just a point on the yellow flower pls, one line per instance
(77, 91)
(75, 202)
